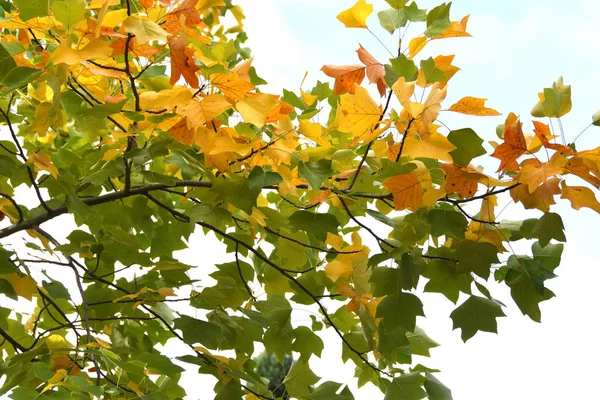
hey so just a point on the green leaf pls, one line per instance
(299, 379)
(397, 4)
(526, 286)
(476, 314)
(414, 13)
(293, 99)
(436, 389)
(57, 290)
(420, 343)
(32, 8)
(406, 387)
(315, 223)
(231, 391)
(438, 20)
(400, 309)
(550, 226)
(468, 146)
(69, 13)
(445, 221)
(198, 331)
(444, 279)
(315, 172)
(549, 256)
(237, 192)
(595, 117)
(275, 308)
(161, 364)
(307, 343)
(431, 73)
(400, 66)
(19, 77)
(7, 63)
(476, 257)
(329, 391)
(260, 178)
(392, 19)
(556, 103)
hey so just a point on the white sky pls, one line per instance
(519, 47)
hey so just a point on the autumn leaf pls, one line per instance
(256, 107)
(182, 62)
(42, 162)
(232, 86)
(416, 45)
(181, 132)
(456, 29)
(541, 198)
(96, 49)
(144, 30)
(375, 70)
(580, 196)
(542, 132)
(534, 172)
(444, 64)
(473, 106)
(357, 113)
(408, 188)
(514, 144)
(356, 16)
(346, 76)
(206, 109)
(188, 10)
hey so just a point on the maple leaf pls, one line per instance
(514, 144)
(346, 76)
(408, 188)
(357, 113)
(541, 198)
(580, 196)
(356, 16)
(182, 62)
(182, 133)
(375, 70)
(473, 106)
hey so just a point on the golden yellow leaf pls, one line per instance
(182, 133)
(165, 99)
(208, 108)
(256, 108)
(357, 113)
(434, 146)
(580, 196)
(313, 131)
(456, 29)
(473, 106)
(133, 386)
(24, 286)
(232, 86)
(541, 198)
(416, 45)
(243, 68)
(403, 90)
(431, 108)
(96, 49)
(356, 16)
(407, 190)
(57, 342)
(534, 172)
(351, 265)
(144, 30)
(308, 99)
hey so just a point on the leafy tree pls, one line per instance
(135, 123)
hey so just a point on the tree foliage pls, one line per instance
(141, 122)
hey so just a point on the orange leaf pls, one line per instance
(182, 62)
(375, 70)
(146, 3)
(345, 76)
(181, 132)
(456, 29)
(541, 198)
(533, 172)
(514, 144)
(473, 106)
(406, 189)
(581, 167)
(459, 181)
(580, 196)
(188, 9)
(542, 131)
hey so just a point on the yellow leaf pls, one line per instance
(133, 386)
(144, 30)
(444, 63)
(232, 86)
(101, 3)
(533, 172)
(473, 106)
(57, 342)
(313, 131)
(200, 112)
(58, 376)
(431, 108)
(166, 291)
(256, 108)
(580, 196)
(24, 286)
(96, 49)
(416, 45)
(243, 69)
(358, 112)
(169, 99)
(403, 90)
(356, 16)
(182, 133)
(308, 99)
(434, 146)
(456, 29)
(350, 265)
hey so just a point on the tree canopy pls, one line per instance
(131, 129)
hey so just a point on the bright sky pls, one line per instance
(519, 47)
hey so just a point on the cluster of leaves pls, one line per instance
(144, 119)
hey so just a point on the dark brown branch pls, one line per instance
(365, 227)
(471, 217)
(308, 245)
(91, 103)
(239, 268)
(106, 66)
(482, 196)
(16, 345)
(404, 139)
